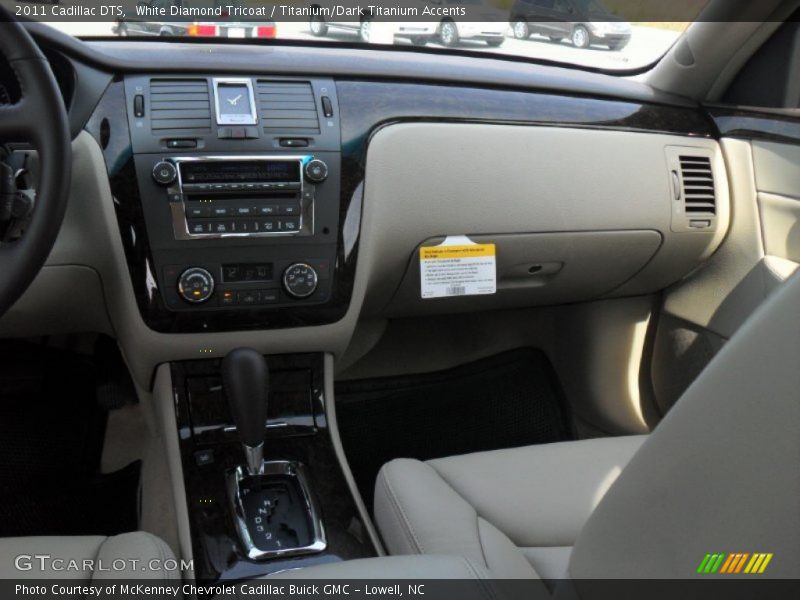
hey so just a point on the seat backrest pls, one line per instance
(721, 473)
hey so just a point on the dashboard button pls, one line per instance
(327, 107)
(228, 298)
(138, 106)
(316, 171)
(165, 173)
(293, 142)
(290, 224)
(198, 227)
(289, 210)
(197, 211)
(248, 298)
(267, 296)
(300, 280)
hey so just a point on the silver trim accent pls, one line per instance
(286, 285)
(180, 223)
(235, 119)
(199, 270)
(278, 467)
(255, 459)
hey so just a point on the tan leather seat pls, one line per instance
(719, 474)
(136, 555)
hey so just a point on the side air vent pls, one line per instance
(287, 107)
(698, 185)
(179, 106)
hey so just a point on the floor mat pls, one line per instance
(509, 400)
(51, 440)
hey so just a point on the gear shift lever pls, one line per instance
(245, 376)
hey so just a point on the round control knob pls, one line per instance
(300, 280)
(165, 173)
(196, 285)
(316, 171)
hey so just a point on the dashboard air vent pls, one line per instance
(179, 106)
(287, 107)
(698, 185)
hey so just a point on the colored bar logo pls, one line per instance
(734, 563)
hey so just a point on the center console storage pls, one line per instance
(293, 508)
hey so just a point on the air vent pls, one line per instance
(287, 107)
(698, 185)
(179, 106)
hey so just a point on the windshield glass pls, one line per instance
(603, 34)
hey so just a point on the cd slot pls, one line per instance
(240, 197)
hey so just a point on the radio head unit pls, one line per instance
(241, 196)
(239, 171)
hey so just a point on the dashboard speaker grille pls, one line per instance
(180, 106)
(287, 107)
(698, 185)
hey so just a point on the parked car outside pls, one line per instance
(418, 32)
(583, 22)
(491, 28)
(141, 26)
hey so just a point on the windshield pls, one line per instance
(614, 35)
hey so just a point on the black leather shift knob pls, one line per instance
(245, 376)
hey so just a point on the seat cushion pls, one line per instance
(517, 511)
(86, 558)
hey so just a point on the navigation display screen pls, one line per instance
(235, 171)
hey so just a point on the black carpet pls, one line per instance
(509, 400)
(51, 440)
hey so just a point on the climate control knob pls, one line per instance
(316, 171)
(300, 280)
(196, 285)
(165, 173)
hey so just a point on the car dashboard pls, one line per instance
(225, 191)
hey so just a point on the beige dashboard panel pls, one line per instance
(540, 268)
(428, 180)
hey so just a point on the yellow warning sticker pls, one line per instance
(468, 251)
(457, 267)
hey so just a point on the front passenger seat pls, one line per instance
(720, 474)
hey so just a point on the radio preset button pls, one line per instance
(289, 224)
(196, 285)
(300, 280)
(267, 225)
(198, 227)
(197, 210)
(289, 210)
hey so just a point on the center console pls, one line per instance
(228, 193)
(264, 487)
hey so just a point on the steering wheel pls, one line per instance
(40, 119)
